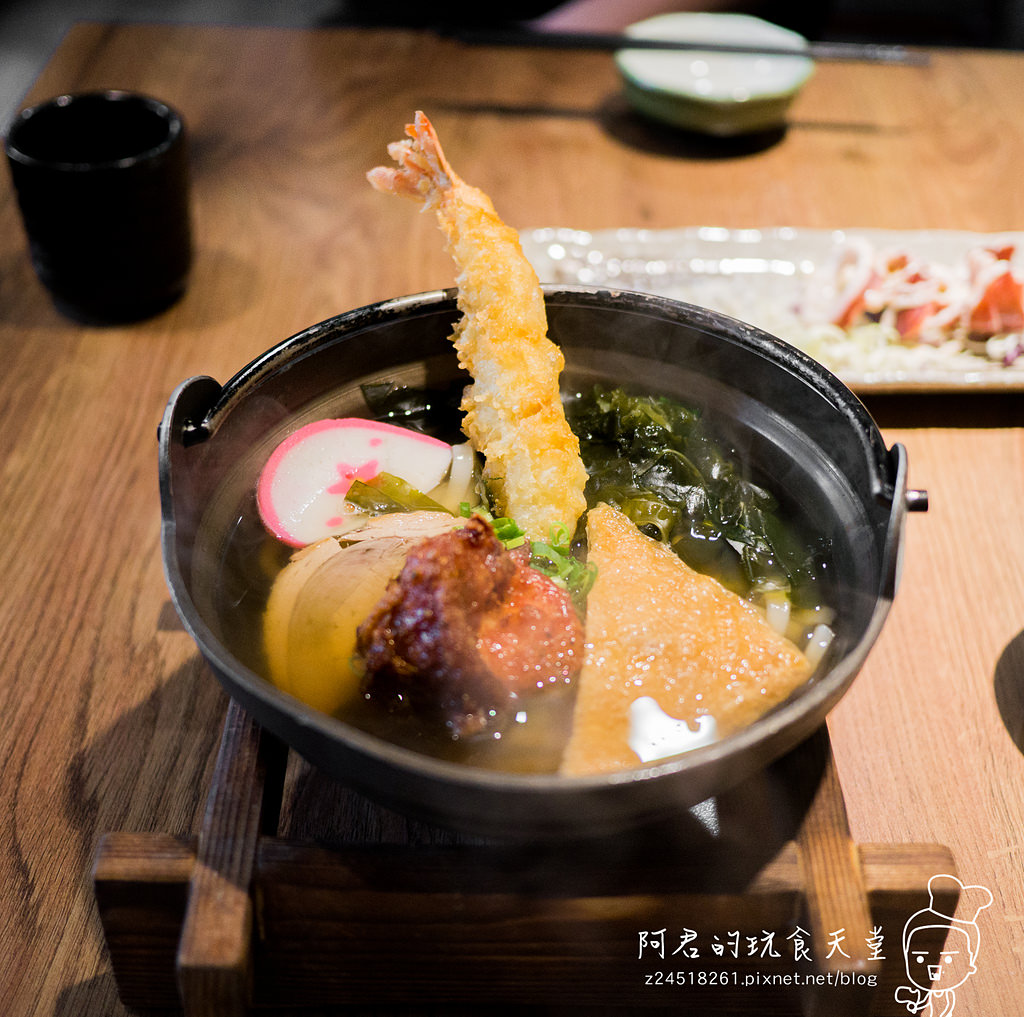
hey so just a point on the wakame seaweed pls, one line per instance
(652, 458)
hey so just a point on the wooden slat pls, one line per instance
(896, 883)
(214, 954)
(141, 882)
(836, 897)
(484, 925)
(830, 861)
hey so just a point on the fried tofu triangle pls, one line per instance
(657, 628)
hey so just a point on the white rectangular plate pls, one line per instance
(763, 276)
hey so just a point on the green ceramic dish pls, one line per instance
(712, 92)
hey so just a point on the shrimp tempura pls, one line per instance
(513, 411)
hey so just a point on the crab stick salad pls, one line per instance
(924, 302)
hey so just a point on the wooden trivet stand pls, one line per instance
(241, 920)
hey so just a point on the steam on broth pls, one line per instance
(469, 621)
(719, 521)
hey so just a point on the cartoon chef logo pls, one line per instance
(940, 949)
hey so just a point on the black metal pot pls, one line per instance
(797, 427)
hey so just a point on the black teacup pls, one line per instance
(103, 186)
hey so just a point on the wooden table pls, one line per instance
(108, 718)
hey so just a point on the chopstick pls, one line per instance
(876, 53)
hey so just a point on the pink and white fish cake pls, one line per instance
(301, 491)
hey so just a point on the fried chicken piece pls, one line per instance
(465, 630)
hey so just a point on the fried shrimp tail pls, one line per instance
(513, 409)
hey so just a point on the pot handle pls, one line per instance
(904, 500)
(181, 427)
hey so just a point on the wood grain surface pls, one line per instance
(108, 719)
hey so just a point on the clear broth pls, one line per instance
(251, 558)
